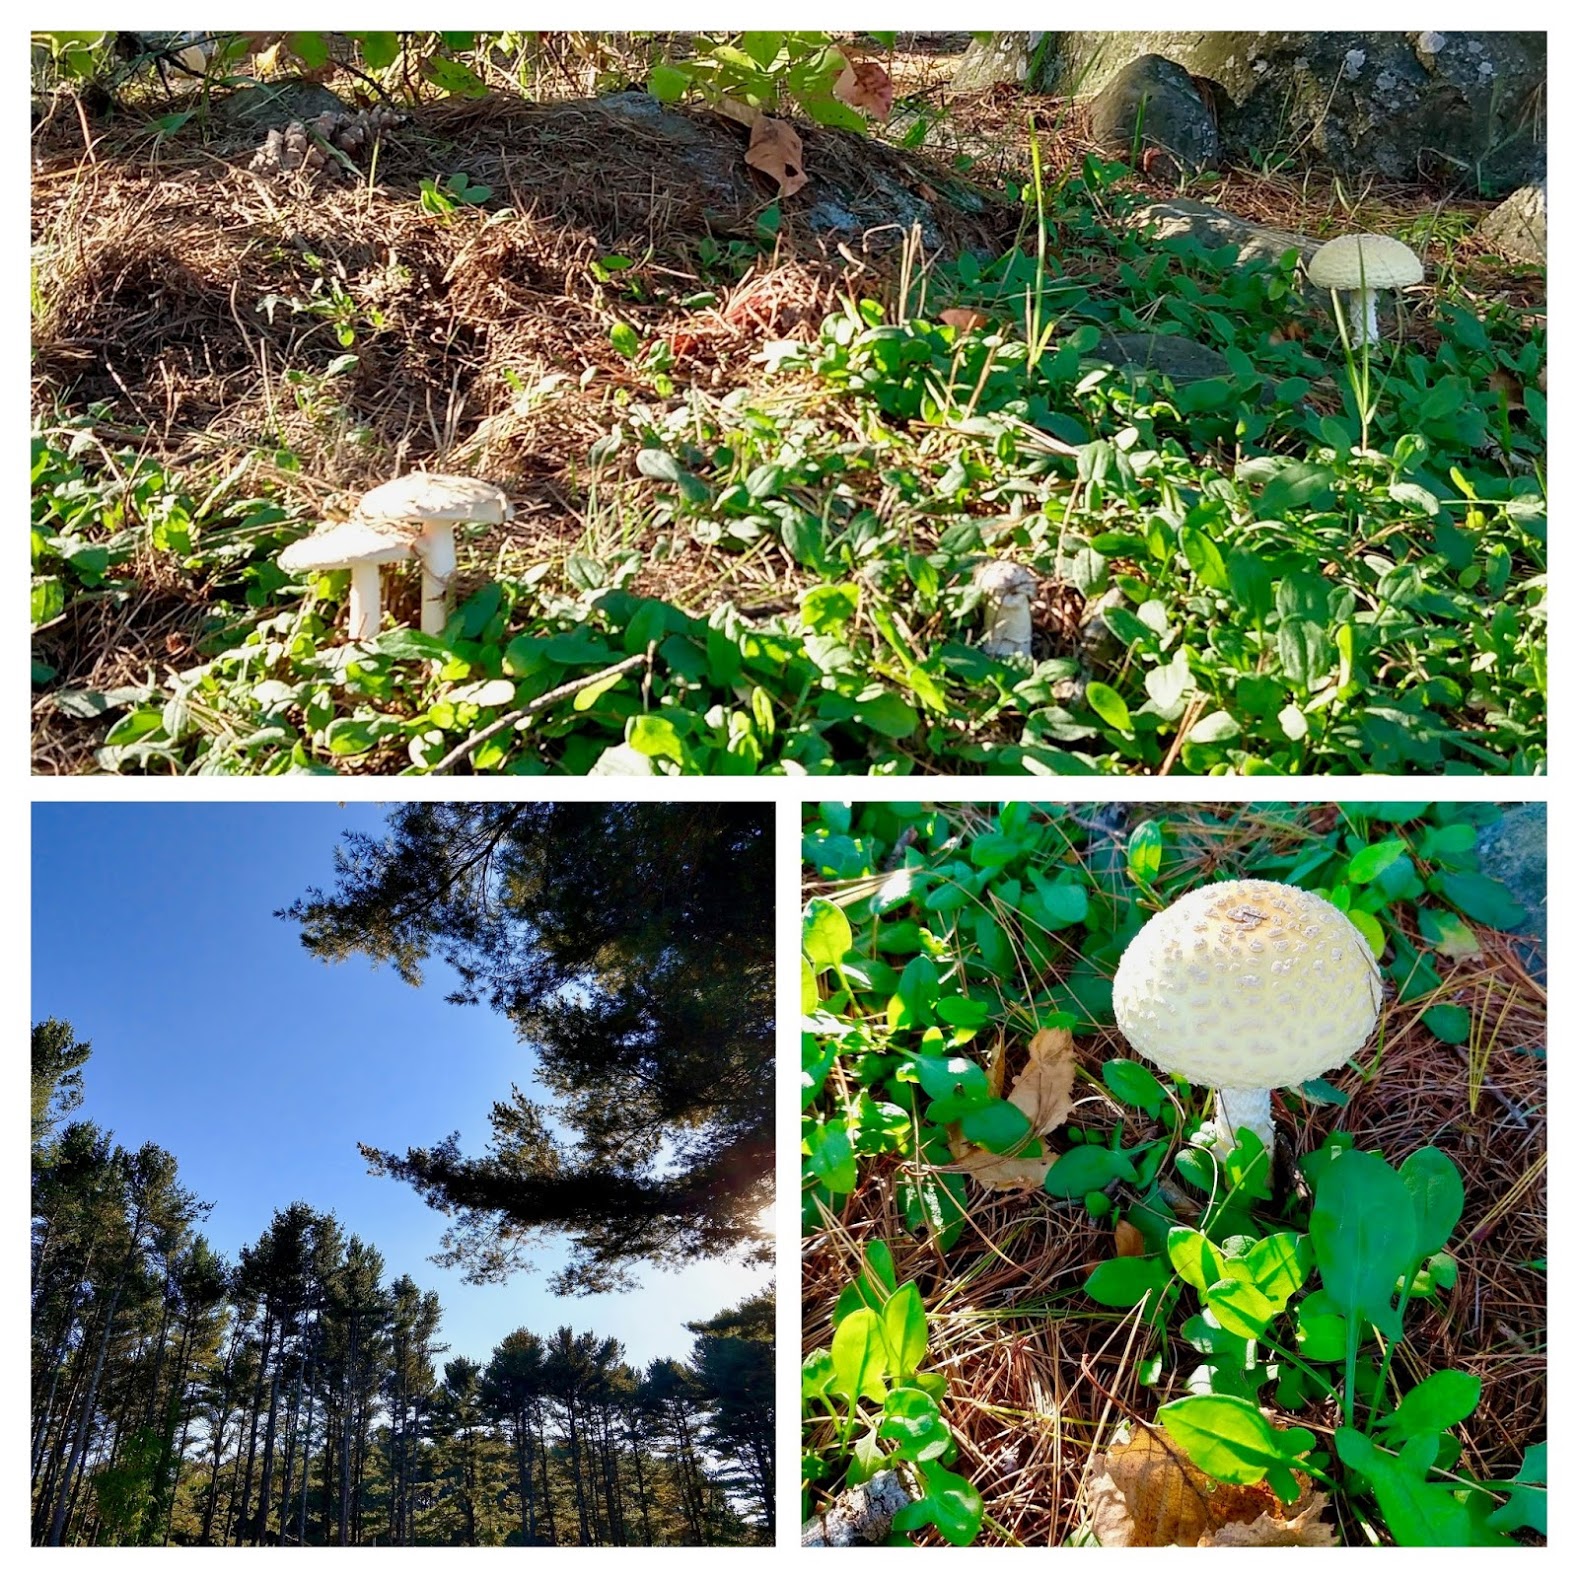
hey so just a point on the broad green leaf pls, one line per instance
(1194, 1257)
(1122, 1282)
(825, 935)
(831, 1157)
(1449, 1022)
(1229, 1439)
(950, 1503)
(1086, 1168)
(1365, 1238)
(904, 1328)
(911, 1418)
(1145, 852)
(1437, 1403)
(1109, 706)
(1417, 1510)
(1369, 863)
(1482, 898)
(860, 1357)
(1277, 1265)
(1239, 1306)
(998, 1127)
(1133, 1084)
(1432, 1179)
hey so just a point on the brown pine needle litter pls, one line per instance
(1039, 1377)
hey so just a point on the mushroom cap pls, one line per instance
(1247, 984)
(425, 496)
(335, 545)
(1002, 578)
(1364, 262)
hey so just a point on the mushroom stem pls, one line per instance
(436, 550)
(1242, 1109)
(1361, 316)
(365, 611)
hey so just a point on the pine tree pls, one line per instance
(631, 945)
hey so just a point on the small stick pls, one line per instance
(547, 699)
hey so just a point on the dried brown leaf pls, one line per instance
(864, 85)
(1145, 1492)
(1128, 1239)
(1044, 1093)
(1302, 1526)
(776, 150)
(964, 319)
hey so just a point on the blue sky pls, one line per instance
(217, 1036)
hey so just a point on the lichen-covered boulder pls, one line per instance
(1516, 228)
(1460, 106)
(1151, 103)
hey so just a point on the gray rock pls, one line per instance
(1465, 106)
(998, 57)
(1215, 227)
(1152, 103)
(1513, 851)
(1516, 228)
(1171, 355)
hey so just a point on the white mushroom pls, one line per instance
(1006, 590)
(1247, 986)
(433, 504)
(1363, 266)
(359, 546)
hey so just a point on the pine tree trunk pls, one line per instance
(85, 1419)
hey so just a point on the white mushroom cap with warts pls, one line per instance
(1364, 262)
(1363, 266)
(426, 496)
(339, 545)
(1248, 984)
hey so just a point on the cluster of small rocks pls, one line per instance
(312, 145)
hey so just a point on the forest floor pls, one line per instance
(1046, 1338)
(760, 460)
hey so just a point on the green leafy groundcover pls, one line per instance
(1306, 564)
(931, 929)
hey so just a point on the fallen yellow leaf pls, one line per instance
(1044, 1093)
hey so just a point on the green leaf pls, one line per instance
(1240, 1307)
(1086, 1168)
(825, 935)
(1277, 1265)
(1370, 862)
(831, 1157)
(1133, 1084)
(1437, 1403)
(1417, 1511)
(627, 342)
(1449, 1022)
(1363, 1232)
(1436, 1187)
(950, 1503)
(860, 1357)
(1122, 1282)
(1145, 852)
(1229, 1439)
(1525, 1508)
(1109, 706)
(668, 84)
(911, 1005)
(904, 1330)
(454, 78)
(997, 1128)
(911, 1418)
(654, 736)
(1481, 898)
(379, 49)
(1194, 1257)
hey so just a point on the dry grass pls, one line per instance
(1038, 1378)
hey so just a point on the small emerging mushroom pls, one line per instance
(1247, 986)
(433, 504)
(1363, 266)
(359, 546)
(1006, 590)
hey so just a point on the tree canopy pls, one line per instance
(632, 948)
